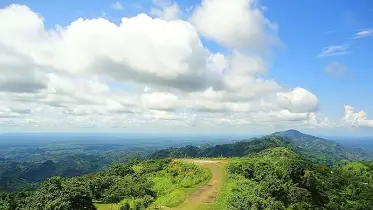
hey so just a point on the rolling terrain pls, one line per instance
(316, 149)
(284, 170)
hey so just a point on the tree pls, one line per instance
(59, 194)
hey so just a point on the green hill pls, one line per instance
(279, 171)
(321, 150)
(284, 170)
(316, 149)
(278, 178)
(237, 149)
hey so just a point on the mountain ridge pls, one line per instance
(318, 150)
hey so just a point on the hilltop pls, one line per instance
(321, 150)
(316, 149)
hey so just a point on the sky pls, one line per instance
(165, 66)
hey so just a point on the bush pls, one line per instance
(125, 206)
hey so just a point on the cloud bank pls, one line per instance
(148, 72)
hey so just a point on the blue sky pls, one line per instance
(306, 28)
(338, 76)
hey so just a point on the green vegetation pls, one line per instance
(280, 179)
(28, 167)
(28, 175)
(285, 170)
(179, 181)
(122, 185)
(312, 148)
(320, 150)
(228, 186)
(237, 149)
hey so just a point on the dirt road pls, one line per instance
(205, 196)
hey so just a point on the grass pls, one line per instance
(104, 206)
(114, 206)
(175, 198)
(172, 191)
(172, 185)
(204, 207)
(229, 184)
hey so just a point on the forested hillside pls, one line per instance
(135, 185)
(28, 174)
(285, 170)
(313, 148)
(278, 178)
(322, 150)
(236, 149)
(76, 160)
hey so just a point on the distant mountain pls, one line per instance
(237, 149)
(313, 148)
(27, 175)
(321, 150)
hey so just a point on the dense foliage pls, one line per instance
(280, 179)
(285, 170)
(128, 184)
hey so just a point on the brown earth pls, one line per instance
(205, 196)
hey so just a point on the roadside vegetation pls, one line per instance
(278, 178)
(133, 185)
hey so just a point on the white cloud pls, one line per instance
(319, 121)
(363, 33)
(335, 50)
(236, 24)
(298, 100)
(161, 101)
(358, 119)
(335, 69)
(144, 71)
(276, 120)
(166, 13)
(140, 49)
(116, 5)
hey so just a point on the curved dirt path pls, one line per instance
(205, 196)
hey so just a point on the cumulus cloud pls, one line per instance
(316, 120)
(335, 69)
(335, 50)
(298, 100)
(358, 119)
(140, 49)
(143, 71)
(236, 24)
